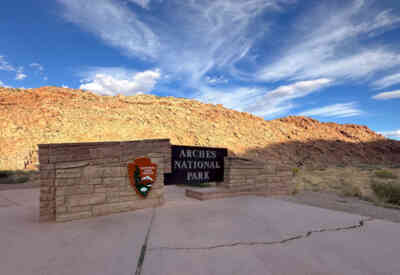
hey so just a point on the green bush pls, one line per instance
(388, 192)
(385, 174)
(22, 179)
(295, 171)
(6, 173)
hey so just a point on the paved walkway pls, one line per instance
(242, 235)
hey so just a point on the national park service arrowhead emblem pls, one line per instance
(142, 174)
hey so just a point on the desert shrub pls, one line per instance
(385, 174)
(22, 179)
(5, 173)
(295, 171)
(387, 191)
(350, 190)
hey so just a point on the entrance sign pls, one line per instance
(142, 174)
(194, 164)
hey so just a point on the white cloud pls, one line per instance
(20, 76)
(142, 3)
(264, 103)
(109, 84)
(391, 134)
(4, 66)
(114, 23)
(387, 95)
(64, 86)
(336, 110)
(206, 34)
(387, 81)
(216, 80)
(327, 46)
(37, 66)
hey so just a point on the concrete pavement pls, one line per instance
(242, 235)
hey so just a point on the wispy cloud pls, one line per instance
(336, 110)
(264, 103)
(324, 51)
(142, 3)
(387, 95)
(20, 74)
(216, 80)
(4, 65)
(114, 23)
(209, 34)
(391, 134)
(387, 81)
(37, 66)
(112, 83)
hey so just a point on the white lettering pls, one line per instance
(177, 164)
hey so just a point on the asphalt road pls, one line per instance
(241, 235)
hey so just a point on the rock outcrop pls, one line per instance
(56, 115)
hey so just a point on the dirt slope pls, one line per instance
(53, 115)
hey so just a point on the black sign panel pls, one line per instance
(195, 164)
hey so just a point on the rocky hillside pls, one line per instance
(53, 115)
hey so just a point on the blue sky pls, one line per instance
(331, 60)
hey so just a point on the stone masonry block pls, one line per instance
(99, 188)
(75, 209)
(78, 189)
(66, 181)
(47, 174)
(91, 172)
(69, 173)
(112, 196)
(104, 161)
(80, 200)
(60, 201)
(129, 198)
(44, 166)
(120, 181)
(73, 216)
(250, 181)
(69, 165)
(111, 172)
(61, 210)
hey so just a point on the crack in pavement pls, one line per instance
(361, 223)
(139, 265)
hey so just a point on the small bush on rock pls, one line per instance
(385, 174)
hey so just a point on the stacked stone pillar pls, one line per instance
(82, 180)
(242, 174)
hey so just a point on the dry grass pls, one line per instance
(355, 181)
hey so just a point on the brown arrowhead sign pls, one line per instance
(142, 174)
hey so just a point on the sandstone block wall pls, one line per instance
(248, 175)
(81, 180)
